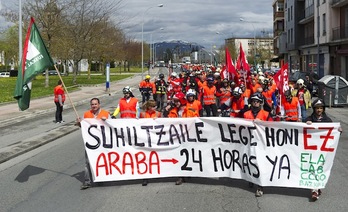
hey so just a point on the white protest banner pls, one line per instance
(285, 154)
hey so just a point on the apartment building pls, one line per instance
(315, 35)
(259, 49)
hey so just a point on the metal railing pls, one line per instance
(340, 32)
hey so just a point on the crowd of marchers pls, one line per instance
(196, 93)
(217, 95)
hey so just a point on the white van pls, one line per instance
(4, 74)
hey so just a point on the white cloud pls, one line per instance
(197, 20)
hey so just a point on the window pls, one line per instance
(324, 24)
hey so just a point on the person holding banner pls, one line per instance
(149, 110)
(193, 107)
(59, 99)
(128, 106)
(175, 109)
(318, 115)
(97, 113)
(257, 113)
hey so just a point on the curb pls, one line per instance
(27, 145)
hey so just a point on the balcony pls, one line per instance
(339, 3)
(340, 33)
(308, 40)
(278, 15)
(307, 15)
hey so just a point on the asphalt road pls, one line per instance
(48, 178)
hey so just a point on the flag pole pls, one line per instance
(67, 93)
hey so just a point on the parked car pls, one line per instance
(4, 74)
(50, 72)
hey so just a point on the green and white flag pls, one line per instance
(35, 60)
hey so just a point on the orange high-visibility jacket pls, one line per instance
(224, 95)
(209, 95)
(90, 114)
(290, 109)
(262, 115)
(192, 109)
(147, 86)
(58, 90)
(128, 109)
(150, 114)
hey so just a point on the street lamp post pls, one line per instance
(142, 39)
(252, 23)
(152, 50)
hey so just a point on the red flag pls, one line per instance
(281, 79)
(229, 65)
(243, 67)
(224, 73)
(242, 63)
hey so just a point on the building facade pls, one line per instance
(315, 35)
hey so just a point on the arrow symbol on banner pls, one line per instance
(173, 160)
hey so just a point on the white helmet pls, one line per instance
(190, 92)
(237, 91)
(174, 74)
(300, 81)
(261, 79)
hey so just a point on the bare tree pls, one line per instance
(83, 27)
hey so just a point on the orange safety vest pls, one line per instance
(262, 115)
(291, 109)
(128, 109)
(173, 113)
(90, 114)
(255, 87)
(58, 90)
(237, 104)
(209, 95)
(246, 93)
(192, 109)
(224, 95)
(268, 94)
(152, 114)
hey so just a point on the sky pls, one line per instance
(205, 22)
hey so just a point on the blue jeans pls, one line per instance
(303, 112)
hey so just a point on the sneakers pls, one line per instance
(145, 182)
(179, 181)
(315, 194)
(259, 192)
(85, 186)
